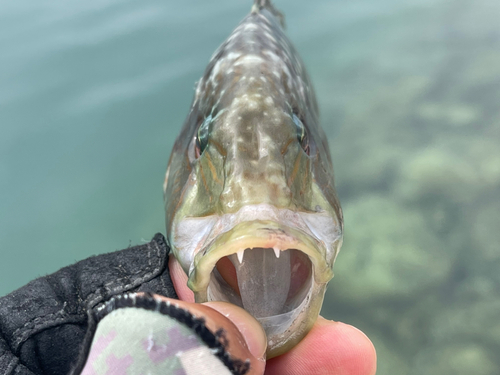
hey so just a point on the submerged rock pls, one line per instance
(388, 252)
(461, 358)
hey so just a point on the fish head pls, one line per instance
(251, 210)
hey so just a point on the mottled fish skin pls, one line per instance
(260, 145)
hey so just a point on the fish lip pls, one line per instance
(254, 234)
(194, 235)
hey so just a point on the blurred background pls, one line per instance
(93, 94)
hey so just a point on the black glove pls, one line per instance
(43, 324)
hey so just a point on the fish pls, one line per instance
(251, 210)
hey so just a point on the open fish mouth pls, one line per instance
(271, 284)
(277, 269)
(267, 272)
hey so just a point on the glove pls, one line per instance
(43, 325)
(143, 333)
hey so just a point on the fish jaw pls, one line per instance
(277, 269)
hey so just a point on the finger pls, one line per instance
(248, 326)
(331, 348)
(179, 279)
(245, 339)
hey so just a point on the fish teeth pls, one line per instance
(276, 252)
(240, 254)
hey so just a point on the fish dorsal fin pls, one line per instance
(266, 4)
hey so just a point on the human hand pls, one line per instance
(330, 347)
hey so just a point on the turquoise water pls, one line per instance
(92, 95)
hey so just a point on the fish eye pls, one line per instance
(302, 135)
(202, 136)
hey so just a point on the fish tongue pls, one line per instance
(263, 280)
